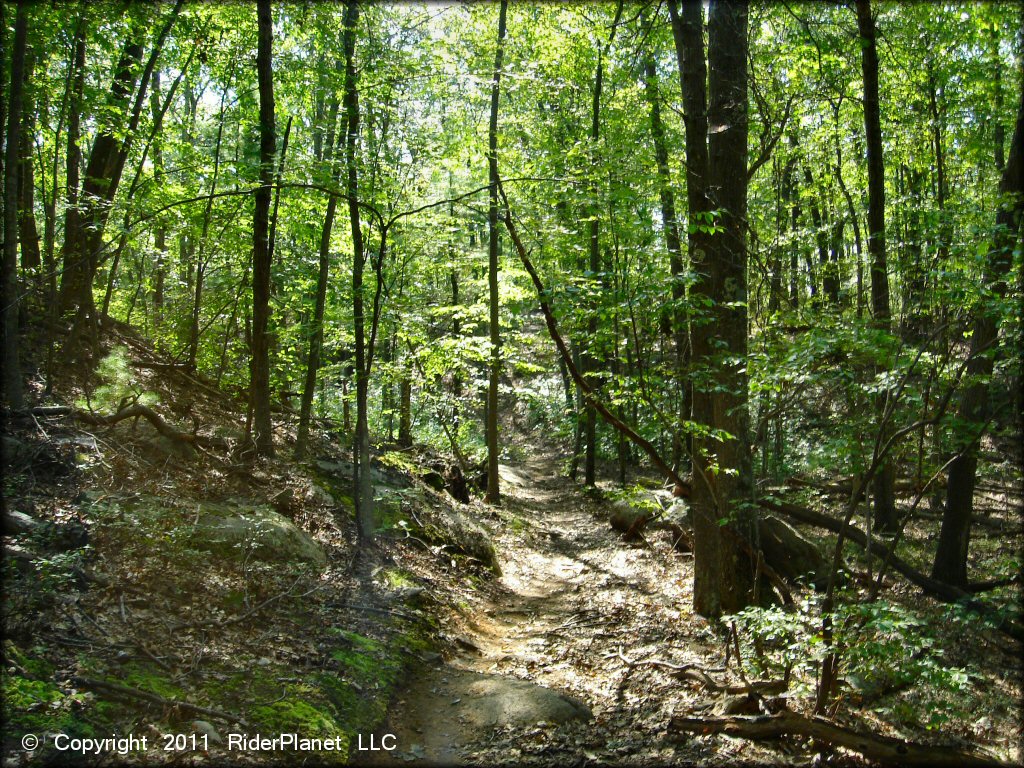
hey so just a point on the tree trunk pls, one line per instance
(885, 513)
(954, 539)
(493, 495)
(675, 255)
(12, 367)
(260, 379)
(83, 245)
(28, 234)
(160, 233)
(362, 481)
(316, 336)
(723, 574)
(200, 282)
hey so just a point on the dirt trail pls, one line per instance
(537, 650)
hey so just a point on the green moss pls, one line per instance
(396, 578)
(146, 679)
(36, 706)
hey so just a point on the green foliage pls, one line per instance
(884, 648)
(120, 385)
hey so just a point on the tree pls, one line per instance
(83, 245)
(260, 366)
(886, 515)
(950, 563)
(9, 295)
(361, 448)
(717, 181)
(494, 374)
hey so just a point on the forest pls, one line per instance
(546, 383)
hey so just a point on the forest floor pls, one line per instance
(573, 598)
(609, 623)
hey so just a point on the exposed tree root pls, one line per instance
(883, 749)
(134, 411)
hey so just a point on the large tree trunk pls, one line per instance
(493, 495)
(9, 294)
(723, 487)
(886, 517)
(361, 449)
(260, 379)
(951, 556)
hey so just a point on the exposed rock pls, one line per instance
(628, 520)
(460, 534)
(502, 701)
(791, 554)
(259, 530)
(15, 522)
(203, 728)
(161, 448)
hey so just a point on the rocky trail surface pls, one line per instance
(549, 665)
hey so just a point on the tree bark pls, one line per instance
(950, 563)
(885, 513)
(260, 366)
(493, 495)
(362, 482)
(723, 487)
(9, 295)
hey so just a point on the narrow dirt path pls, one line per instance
(541, 673)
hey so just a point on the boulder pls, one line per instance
(628, 520)
(792, 555)
(261, 532)
(504, 701)
(15, 522)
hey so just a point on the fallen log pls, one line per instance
(124, 691)
(883, 749)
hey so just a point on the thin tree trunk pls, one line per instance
(260, 379)
(28, 234)
(885, 513)
(675, 256)
(362, 480)
(493, 495)
(688, 35)
(316, 336)
(200, 281)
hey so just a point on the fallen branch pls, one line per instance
(873, 746)
(939, 589)
(134, 411)
(116, 689)
(697, 674)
